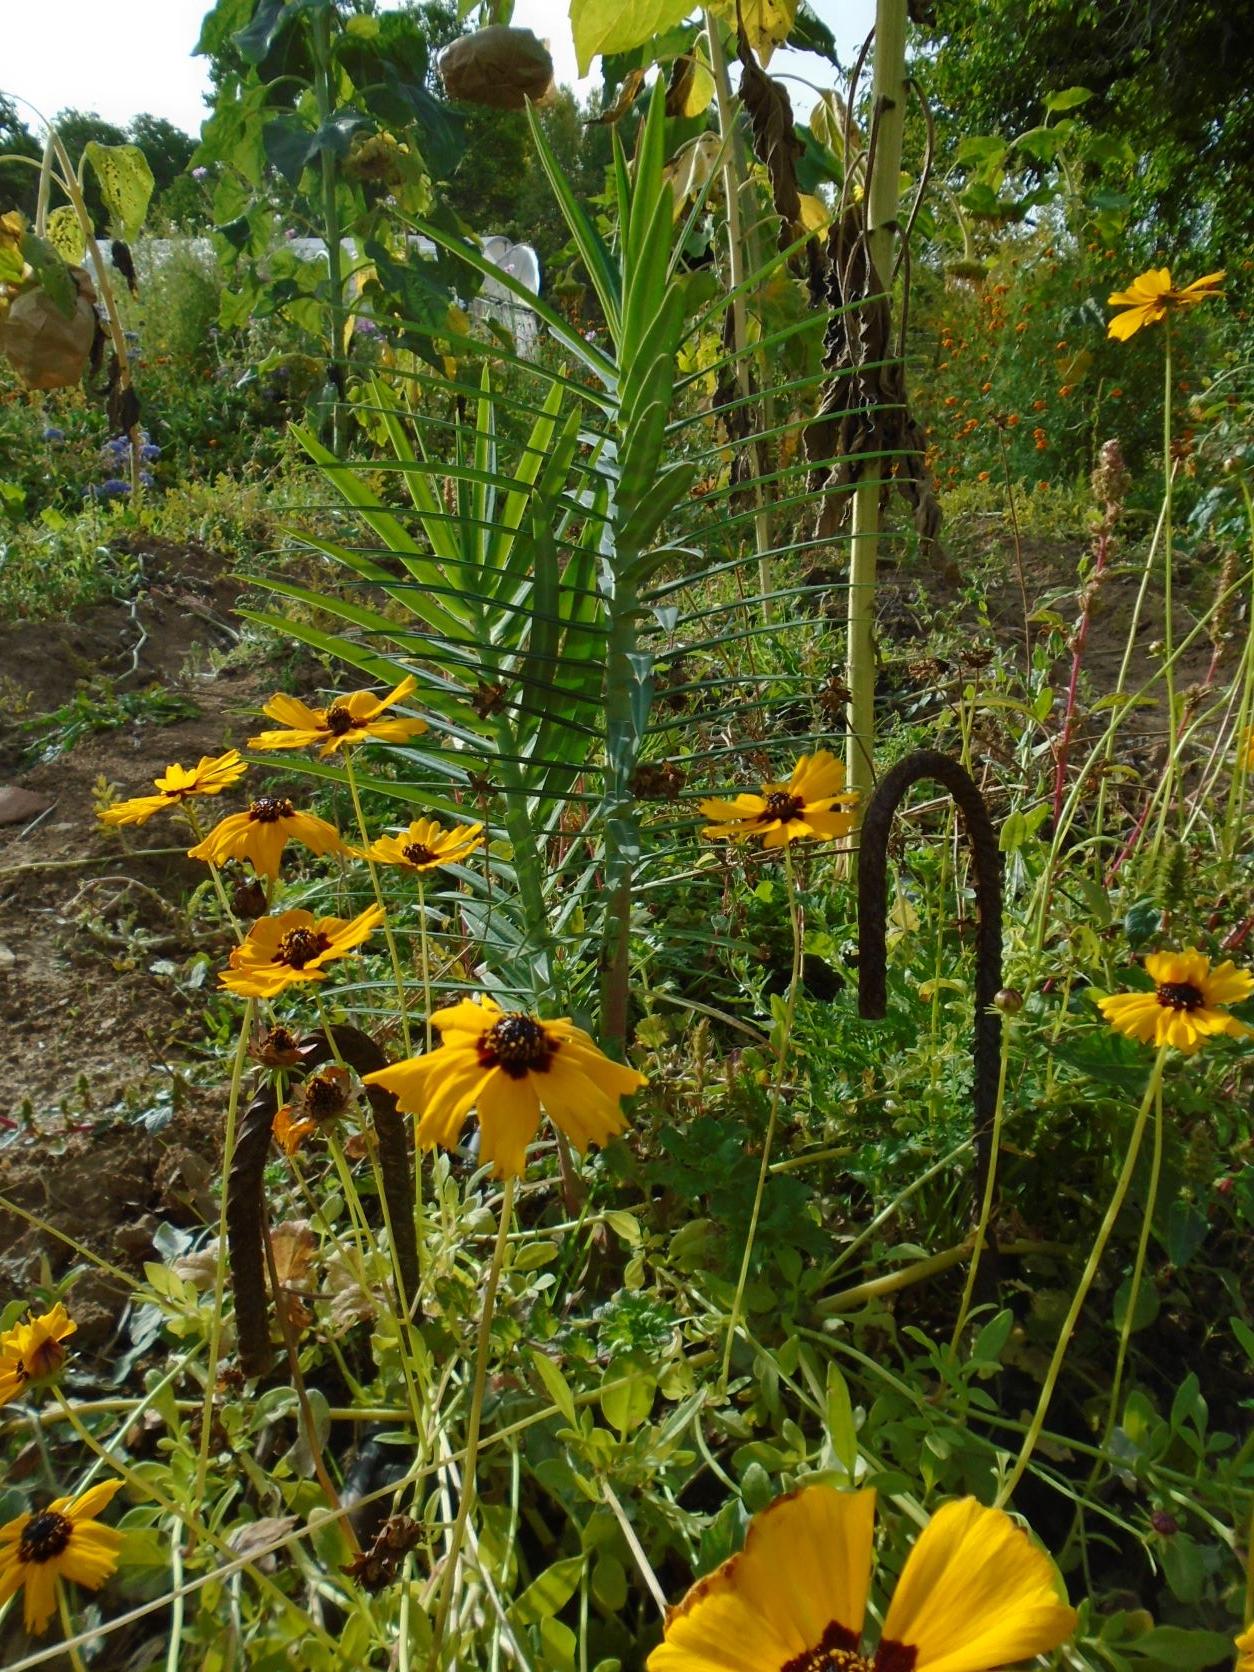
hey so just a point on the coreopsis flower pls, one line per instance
(210, 776)
(293, 946)
(1150, 297)
(351, 719)
(60, 1542)
(33, 1351)
(813, 803)
(317, 1101)
(261, 834)
(1186, 1007)
(507, 1065)
(975, 1593)
(426, 845)
(1245, 1651)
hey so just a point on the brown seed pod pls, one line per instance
(500, 67)
(45, 349)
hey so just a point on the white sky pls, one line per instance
(135, 55)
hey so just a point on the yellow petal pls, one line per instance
(1125, 325)
(801, 1581)
(509, 1116)
(975, 1593)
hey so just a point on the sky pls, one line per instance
(135, 55)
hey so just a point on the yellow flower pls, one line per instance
(1185, 1008)
(288, 1132)
(1245, 1651)
(293, 946)
(60, 1542)
(210, 776)
(1150, 298)
(426, 845)
(507, 1064)
(813, 803)
(33, 1351)
(975, 1593)
(350, 719)
(263, 832)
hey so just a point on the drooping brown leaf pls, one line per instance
(46, 349)
(863, 410)
(691, 86)
(628, 93)
(775, 143)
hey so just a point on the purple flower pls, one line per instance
(290, 232)
(200, 173)
(366, 327)
(150, 452)
(53, 434)
(112, 488)
(147, 479)
(116, 448)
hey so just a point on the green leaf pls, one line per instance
(289, 147)
(1146, 1309)
(842, 1430)
(125, 181)
(1068, 99)
(601, 26)
(627, 1391)
(1181, 1649)
(548, 1594)
(555, 1384)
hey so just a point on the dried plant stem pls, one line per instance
(783, 1040)
(308, 1423)
(483, 1346)
(1123, 1184)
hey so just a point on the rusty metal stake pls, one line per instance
(245, 1204)
(872, 928)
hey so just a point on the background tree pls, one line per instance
(18, 184)
(1172, 76)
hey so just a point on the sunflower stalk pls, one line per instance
(883, 191)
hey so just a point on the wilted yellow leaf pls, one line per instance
(767, 23)
(815, 215)
(618, 25)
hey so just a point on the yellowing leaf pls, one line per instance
(815, 214)
(65, 234)
(691, 167)
(125, 183)
(700, 89)
(767, 23)
(618, 25)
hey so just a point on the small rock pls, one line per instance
(18, 805)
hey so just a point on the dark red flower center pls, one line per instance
(299, 947)
(781, 807)
(1180, 995)
(518, 1044)
(339, 719)
(270, 809)
(418, 853)
(838, 1651)
(44, 1537)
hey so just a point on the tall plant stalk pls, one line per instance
(883, 193)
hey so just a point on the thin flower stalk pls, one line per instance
(219, 1273)
(483, 1343)
(1087, 1276)
(388, 936)
(782, 1040)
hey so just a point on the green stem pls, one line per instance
(1128, 1324)
(1169, 635)
(321, 37)
(483, 1345)
(67, 1627)
(1086, 1278)
(777, 1096)
(986, 1206)
(219, 1276)
(388, 936)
